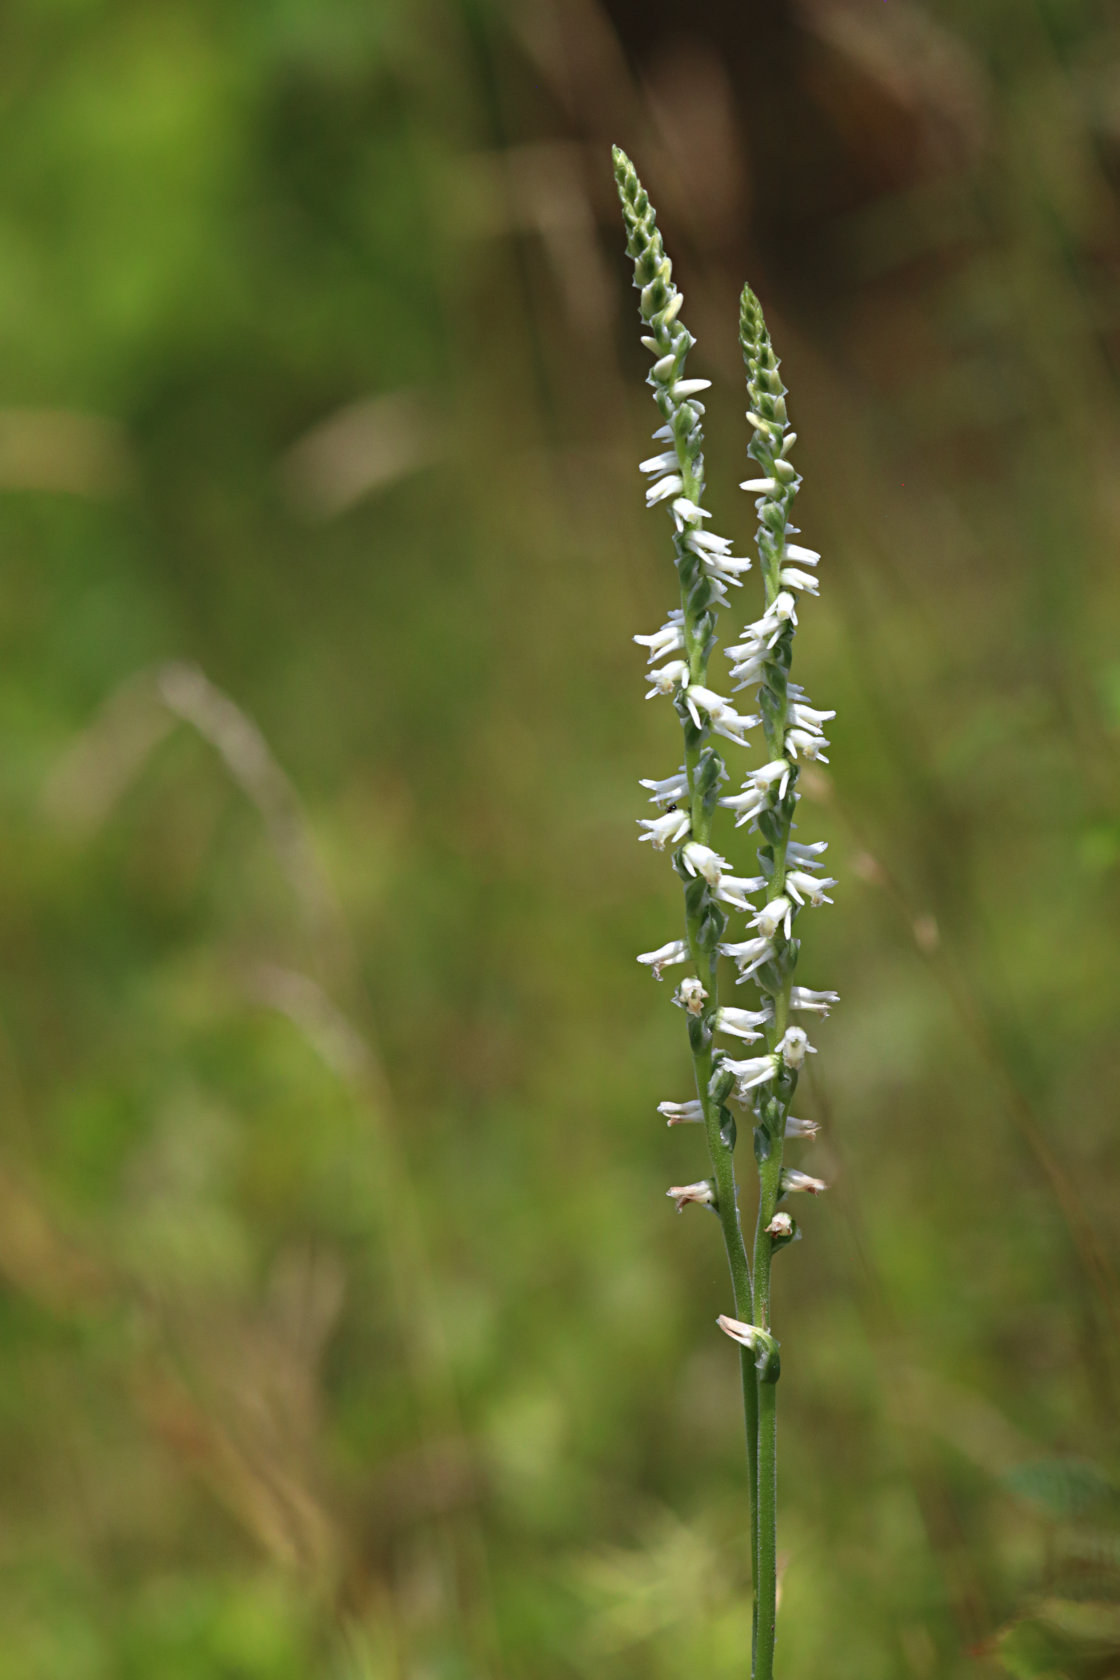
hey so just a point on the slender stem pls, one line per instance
(720, 1145)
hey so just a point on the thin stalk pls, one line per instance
(765, 1083)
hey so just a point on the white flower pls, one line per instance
(804, 856)
(674, 952)
(702, 1193)
(701, 860)
(668, 677)
(683, 1113)
(777, 914)
(747, 1335)
(780, 1226)
(687, 513)
(748, 955)
(798, 883)
(669, 790)
(683, 388)
(818, 1003)
(724, 719)
(807, 556)
(733, 890)
(778, 770)
(764, 486)
(741, 1022)
(783, 607)
(791, 578)
(805, 717)
(795, 1046)
(660, 463)
(801, 1128)
(670, 486)
(746, 804)
(725, 566)
(794, 1180)
(706, 542)
(668, 639)
(665, 830)
(810, 744)
(754, 1070)
(690, 995)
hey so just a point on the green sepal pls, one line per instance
(712, 928)
(765, 856)
(768, 1363)
(699, 1034)
(769, 978)
(721, 1085)
(695, 890)
(728, 1130)
(771, 826)
(772, 1114)
(763, 1145)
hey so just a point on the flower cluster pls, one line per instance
(790, 877)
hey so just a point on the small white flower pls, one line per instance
(748, 955)
(810, 744)
(807, 556)
(798, 883)
(660, 463)
(794, 1180)
(783, 607)
(778, 770)
(670, 486)
(754, 1070)
(666, 678)
(817, 1003)
(791, 578)
(686, 512)
(683, 1113)
(733, 890)
(795, 1046)
(723, 717)
(804, 856)
(764, 486)
(740, 1023)
(684, 388)
(706, 542)
(801, 1128)
(777, 914)
(665, 830)
(725, 566)
(703, 1194)
(669, 790)
(807, 717)
(747, 1335)
(662, 369)
(701, 860)
(780, 1226)
(668, 639)
(746, 805)
(674, 952)
(690, 995)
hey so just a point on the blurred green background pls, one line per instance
(345, 1329)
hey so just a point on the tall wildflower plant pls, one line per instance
(760, 1085)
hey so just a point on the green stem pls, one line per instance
(720, 1151)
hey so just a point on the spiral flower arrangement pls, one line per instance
(789, 879)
